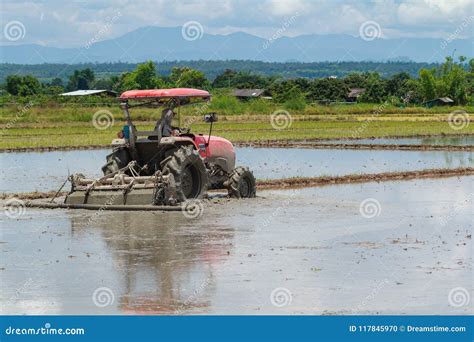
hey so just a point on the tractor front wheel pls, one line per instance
(241, 183)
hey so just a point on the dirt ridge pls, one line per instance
(302, 182)
(293, 143)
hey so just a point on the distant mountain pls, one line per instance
(168, 44)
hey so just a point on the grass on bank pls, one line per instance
(228, 108)
(59, 124)
(85, 134)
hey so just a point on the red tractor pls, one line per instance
(168, 164)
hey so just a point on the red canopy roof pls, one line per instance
(165, 93)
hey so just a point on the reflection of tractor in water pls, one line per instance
(161, 269)
(167, 165)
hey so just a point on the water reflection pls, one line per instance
(166, 261)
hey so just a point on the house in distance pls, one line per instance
(246, 94)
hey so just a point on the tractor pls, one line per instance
(167, 165)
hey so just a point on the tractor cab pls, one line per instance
(144, 145)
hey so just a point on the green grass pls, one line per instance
(226, 107)
(85, 134)
(71, 125)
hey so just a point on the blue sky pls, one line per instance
(73, 23)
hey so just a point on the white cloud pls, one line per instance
(283, 8)
(434, 12)
(73, 23)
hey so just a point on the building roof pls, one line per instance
(90, 92)
(445, 99)
(248, 92)
(355, 92)
(441, 99)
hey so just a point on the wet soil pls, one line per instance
(300, 251)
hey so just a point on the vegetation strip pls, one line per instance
(290, 143)
(302, 182)
(408, 147)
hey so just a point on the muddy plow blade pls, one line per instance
(122, 189)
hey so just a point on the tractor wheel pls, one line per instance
(189, 173)
(116, 160)
(241, 183)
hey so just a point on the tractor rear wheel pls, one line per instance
(189, 173)
(241, 183)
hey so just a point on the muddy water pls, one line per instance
(311, 245)
(466, 140)
(46, 171)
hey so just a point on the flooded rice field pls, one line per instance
(394, 247)
(372, 248)
(46, 171)
(464, 140)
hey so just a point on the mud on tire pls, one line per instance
(241, 183)
(116, 160)
(189, 173)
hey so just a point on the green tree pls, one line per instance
(225, 80)
(143, 77)
(56, 82)
(328, 89)
(394, 85)
(187, 77)
(375, 90)
(13, 84)
(449, 79)
(81, 80)
(356, 80)
(244, 80)
(23, 86)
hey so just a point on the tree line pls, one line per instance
(213, 68)
(454, 79)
